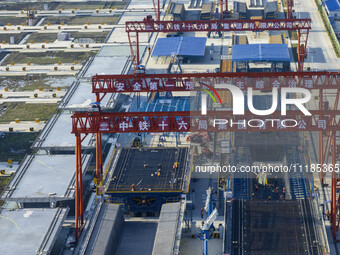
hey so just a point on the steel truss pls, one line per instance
(190, 121)
(103, 84)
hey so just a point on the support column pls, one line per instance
(221, 9)
(333, 188)
(97, 97)
(302, 46)
(205, 242)
(137, 48)
(79, 216)
(288, 8)
(99, 158)
(322, 174)
(158, 11)
(132, 44)
(299, 49)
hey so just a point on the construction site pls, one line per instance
(169, 127)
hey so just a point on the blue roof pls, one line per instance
(260, 52)
(181, 46)
(333, 5)
(176, 104)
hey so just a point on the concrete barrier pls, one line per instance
(107, 231)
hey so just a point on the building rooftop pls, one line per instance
(57, 134)
(240, 7)
(207, 7)
(80, 96)
(108, 65)
(271, 7)
(32, 182)
(109, 60)
(177, 8)
(116, 50)
(29, 231)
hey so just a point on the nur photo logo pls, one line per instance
(238, 98)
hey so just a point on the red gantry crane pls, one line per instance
(325, 120)
(134, 28)
(157, 9)
(290, 5)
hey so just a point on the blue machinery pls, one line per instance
(208, 223)
(143, 202)
(137, 188)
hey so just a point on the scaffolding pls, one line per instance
(273, 227)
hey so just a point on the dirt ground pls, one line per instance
(49, 57)
(33, 82)
(25, 112)
(14, 21)
(42, 37)
(7, 37)
(63, 5)
(91, 5)
(16, 141)
(81, 20)
(21, 6)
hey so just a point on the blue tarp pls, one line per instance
(333, 5)
(176, 104)
(181, 46)
(260, 52)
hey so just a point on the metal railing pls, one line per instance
(320, 225)
(179, 227)
(92, 224)
(50, 231)
(148, 188)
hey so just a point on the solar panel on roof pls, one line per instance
(260, 52)
(180, 46)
